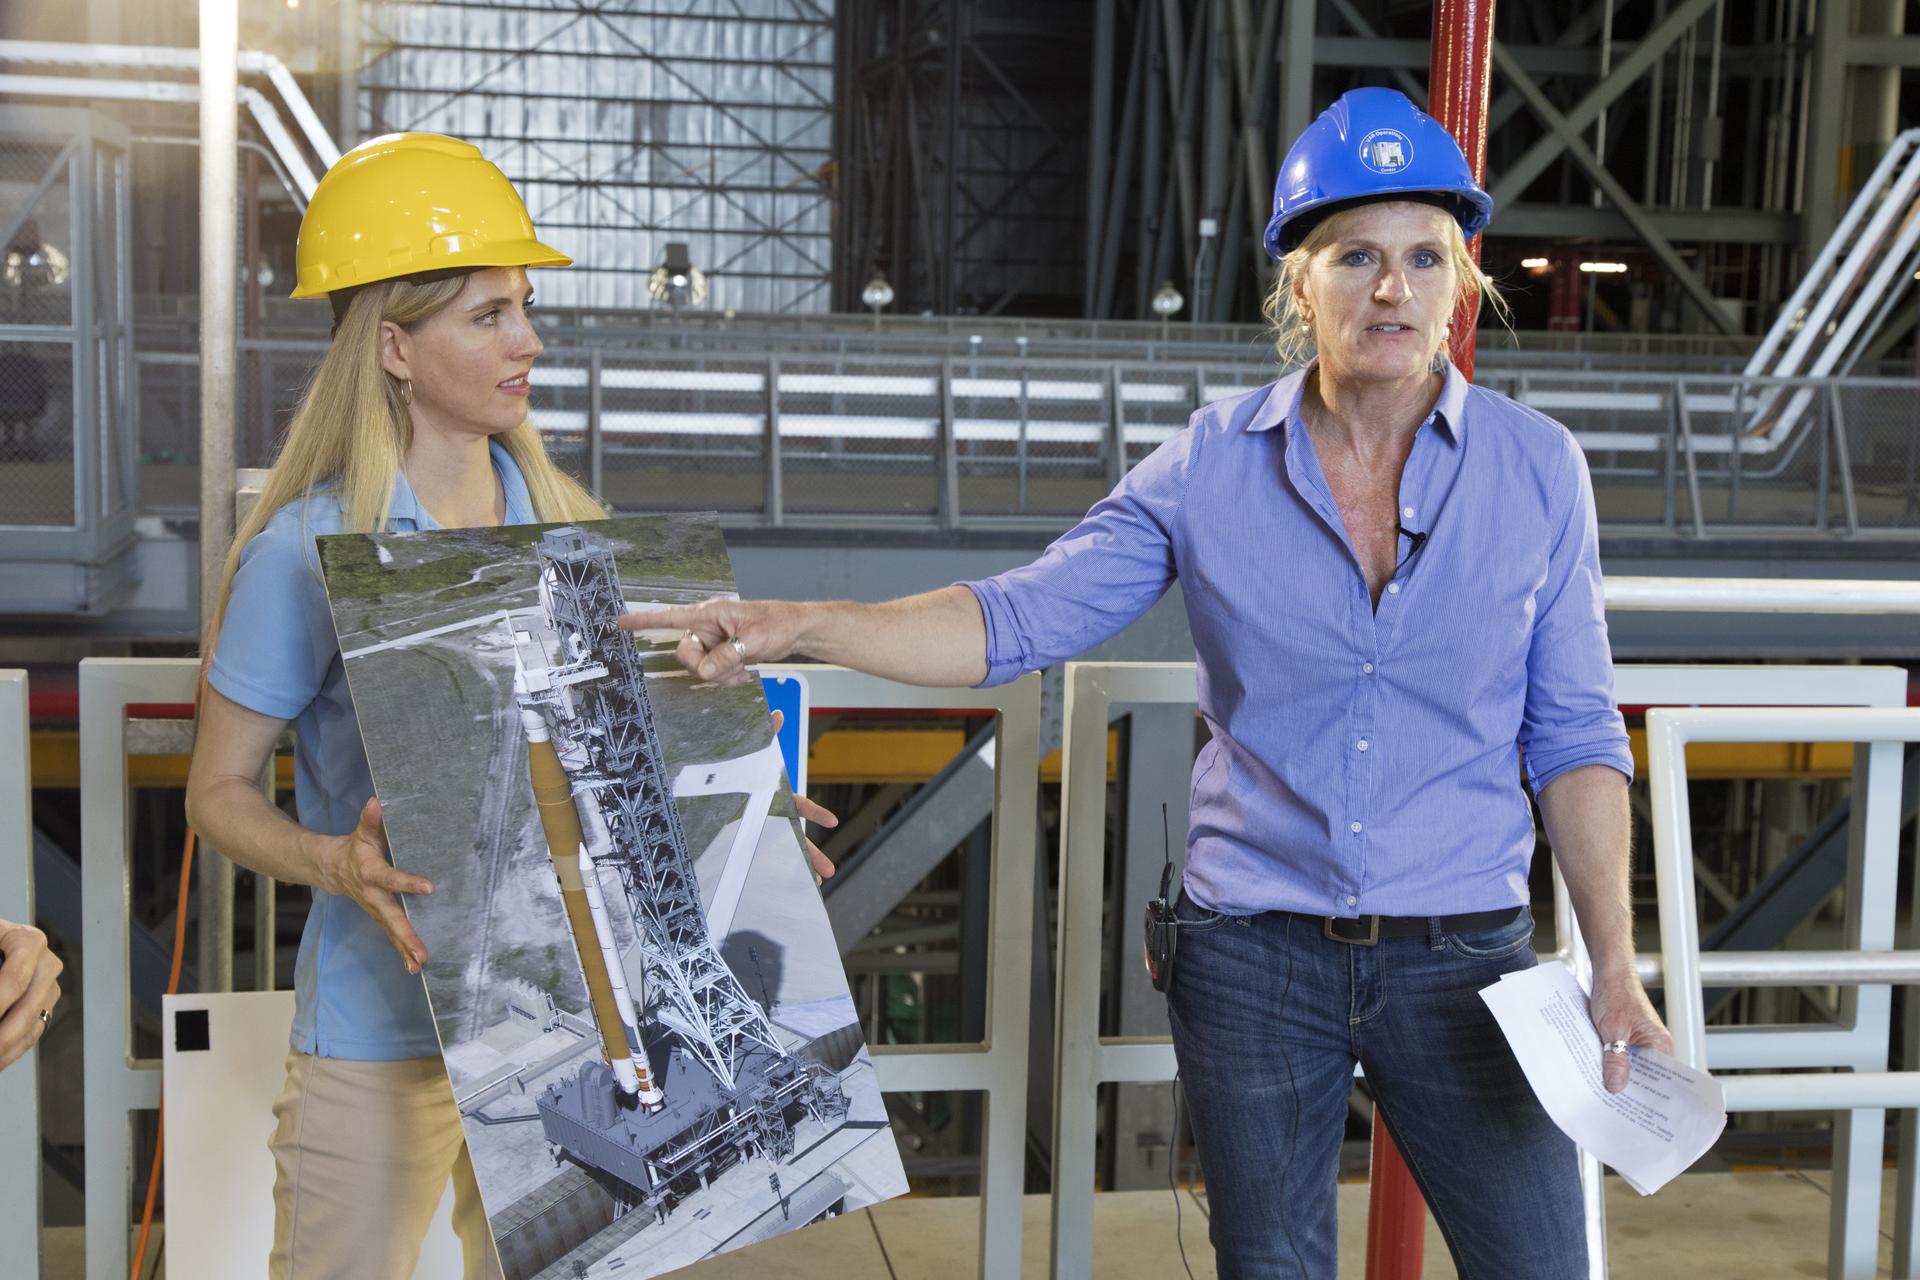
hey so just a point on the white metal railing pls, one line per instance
(996, 1065)
(1085, 1059)
(118, 1085)
(1861, 1088)
(787, 436)
(19, 1084)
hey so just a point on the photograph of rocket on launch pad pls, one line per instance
(638, 996)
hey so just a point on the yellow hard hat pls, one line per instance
(405, 203)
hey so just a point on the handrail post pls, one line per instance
(1823, 465)
(20, 1084)
(1733, 464)
(116, 1083)
(596, 448)
(776, 501)
(1844, 457)
(949, 500)
(1020, 448)
(1670, 481)
(1685, 421)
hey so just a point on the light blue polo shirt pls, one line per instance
(277, 655)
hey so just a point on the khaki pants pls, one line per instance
(362, 1152)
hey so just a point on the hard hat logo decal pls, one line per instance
(1386, 151)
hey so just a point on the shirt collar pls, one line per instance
(407, 507)
(1282, 408)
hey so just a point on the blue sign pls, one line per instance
(788, 695)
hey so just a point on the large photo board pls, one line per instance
(636, 988)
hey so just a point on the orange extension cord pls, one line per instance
(173, 988)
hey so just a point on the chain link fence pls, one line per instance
(36, 437)
(1879, 427)
(861, 437)
(1033, 439)
(680, 433)
(36, 267)
(36, 369)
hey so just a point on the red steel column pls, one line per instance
(1396, 1215)
(1457, 80)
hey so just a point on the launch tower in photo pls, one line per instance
(695, 1078)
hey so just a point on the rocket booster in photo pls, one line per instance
(606, 983)
(640, 1082)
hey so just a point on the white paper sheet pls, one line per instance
(1650, 1132)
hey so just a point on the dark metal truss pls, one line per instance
(960, 136)
(1722, 156)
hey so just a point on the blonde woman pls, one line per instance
(1393, 582)
(415, 419)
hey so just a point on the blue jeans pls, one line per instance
(1269, 1017)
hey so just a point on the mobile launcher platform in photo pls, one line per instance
(636, 988)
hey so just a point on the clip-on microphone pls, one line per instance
(1163, 931)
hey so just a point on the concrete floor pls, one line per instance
(1710, 1226)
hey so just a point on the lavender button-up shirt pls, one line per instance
(1362, 761)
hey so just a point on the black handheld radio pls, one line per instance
(1163, 931)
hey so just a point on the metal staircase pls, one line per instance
(1846, 296)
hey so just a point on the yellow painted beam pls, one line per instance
(906, 755)
(916, 755)
(1708, 761)
(56, 765)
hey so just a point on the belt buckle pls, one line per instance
(1329, 928)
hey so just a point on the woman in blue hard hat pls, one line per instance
(1392, 580)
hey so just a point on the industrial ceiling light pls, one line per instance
(877, 295)
(1165, 303)
(1535, 264)
(676, 280)
(1604, 268)
(31, 261)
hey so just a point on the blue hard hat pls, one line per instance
(1372, 144)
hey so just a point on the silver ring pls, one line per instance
(739, 647)
(1616, 1046)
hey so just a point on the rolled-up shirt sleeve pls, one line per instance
(1570, 718)
(1096, 578)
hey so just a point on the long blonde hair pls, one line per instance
(351, 432)
(1292, 333)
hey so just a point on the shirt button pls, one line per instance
(1355, 828)
(1407, 512)
(1393, 588)
(1361, 745)
(1352, 901)
(1367, 667)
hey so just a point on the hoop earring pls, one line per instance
(406, 393)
